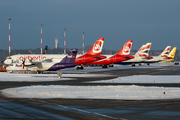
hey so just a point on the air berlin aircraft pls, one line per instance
(46, 65)
(94, 54)
(122, 55)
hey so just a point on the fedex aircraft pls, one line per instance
(122, 55)
(92, 55)
(163, 56)
(46, 65)
(141, 55)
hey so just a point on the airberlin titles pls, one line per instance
(33, 58)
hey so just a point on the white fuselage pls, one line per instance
(136, 59)
(156, 59)
(34, 57)
(44, 66)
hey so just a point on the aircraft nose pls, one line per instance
(7, 68)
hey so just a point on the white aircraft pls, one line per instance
(93, 54)
(141, 55)
(45, 65)
(163, 56)
(32, 57)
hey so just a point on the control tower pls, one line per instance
(56, 42)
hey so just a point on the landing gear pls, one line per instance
(79, 68)
(140, 64)
(133, 65)
(104, 66)
(39, 72)
(111, 65)
(148, 64)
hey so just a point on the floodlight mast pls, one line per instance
(83, 42)
(64, 40)
(41, 38)
(9, 38)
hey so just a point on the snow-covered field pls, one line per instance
(93, 92)
(87, 69)
(123, 92)
(12, 77)
(143, 79)
(128, 92)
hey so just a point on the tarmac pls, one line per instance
(88, 109)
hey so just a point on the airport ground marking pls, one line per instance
(99, 114)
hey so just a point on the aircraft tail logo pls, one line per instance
(125, 50)
(70, 58)
(144, 50)
(97, 47)
(165, 53)
(172, 53)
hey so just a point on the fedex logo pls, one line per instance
(98, 46)
(18, 65)
(33, 58)
(71, 56)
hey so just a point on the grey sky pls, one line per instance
(156, 21)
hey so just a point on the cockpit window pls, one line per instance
(11, 64)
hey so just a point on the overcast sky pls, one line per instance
(156, 21)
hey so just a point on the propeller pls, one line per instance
(23, 63)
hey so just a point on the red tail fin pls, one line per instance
(96, 48)
(125, 50)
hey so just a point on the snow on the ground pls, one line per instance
(143, 79)
(116, 67)
(93, 92)
(12, 77)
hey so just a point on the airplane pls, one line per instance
(94, 54)
(19, 58)
(46, 65)
(141, 55)
(163, 56)
(121, 55)
(171, 54)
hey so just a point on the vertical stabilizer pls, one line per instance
(165, 53)
(144, 50)
(96, 48)
(172, 53)
(125, 50)
(70, 58)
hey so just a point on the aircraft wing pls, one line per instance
(38, 62)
